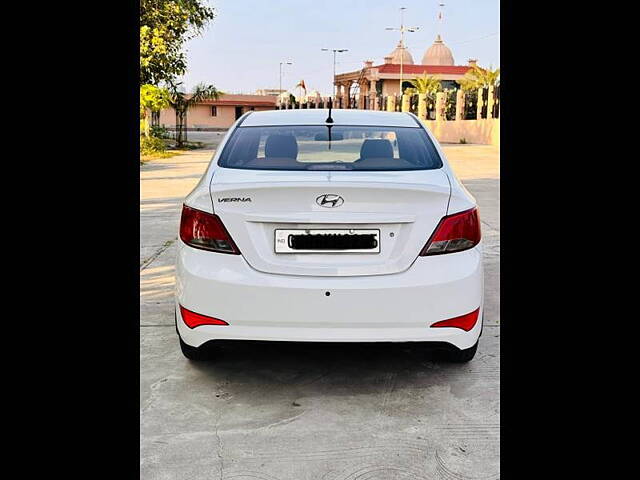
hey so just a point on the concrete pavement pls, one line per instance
(299, 411)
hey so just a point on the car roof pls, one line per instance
(318, 116)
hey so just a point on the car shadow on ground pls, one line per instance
(346, 368)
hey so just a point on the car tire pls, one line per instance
(196, 354)
(462, 356)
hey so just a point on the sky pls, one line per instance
(241, 49)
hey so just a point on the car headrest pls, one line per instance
(281, 146)
(376, 148)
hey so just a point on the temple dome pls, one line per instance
(438, 54)
(401, 53)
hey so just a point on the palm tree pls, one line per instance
(479, 77)
(425, 84)
(181, 102)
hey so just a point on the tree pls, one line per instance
(152, 99)
(165, 25)
(425, 84)
(181, 102)
(479, 77)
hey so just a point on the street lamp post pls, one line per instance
(280, 88)
(402, 29)
(334, 50)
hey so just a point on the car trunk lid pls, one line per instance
(403, 206)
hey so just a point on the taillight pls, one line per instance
(454, 233)
(206, 231)
(193, 319)
(465, 322)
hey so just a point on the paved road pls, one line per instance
(325, 412)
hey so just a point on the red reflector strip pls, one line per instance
(465, 322)
(193, 320)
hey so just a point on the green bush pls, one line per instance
(149, 145)
(160, 132)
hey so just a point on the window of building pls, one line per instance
(449, 84)
(214, 111)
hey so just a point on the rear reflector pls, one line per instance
(193, 320)
(205, 231)
(465, 322)
(454, 233)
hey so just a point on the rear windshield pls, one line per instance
(320, 147)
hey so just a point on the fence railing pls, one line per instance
(431, 108)
(470, 105)
(495, 113)
(451, 104)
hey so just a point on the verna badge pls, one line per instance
(329, 200)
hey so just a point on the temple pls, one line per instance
(373, 81)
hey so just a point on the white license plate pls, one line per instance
(315, 240)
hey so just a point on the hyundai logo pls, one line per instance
(329, 200)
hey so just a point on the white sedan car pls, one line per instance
(329, 226)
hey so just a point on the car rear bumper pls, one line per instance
(382, 308)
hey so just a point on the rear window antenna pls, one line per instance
(329, 119)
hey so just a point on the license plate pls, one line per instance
(327, 240)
